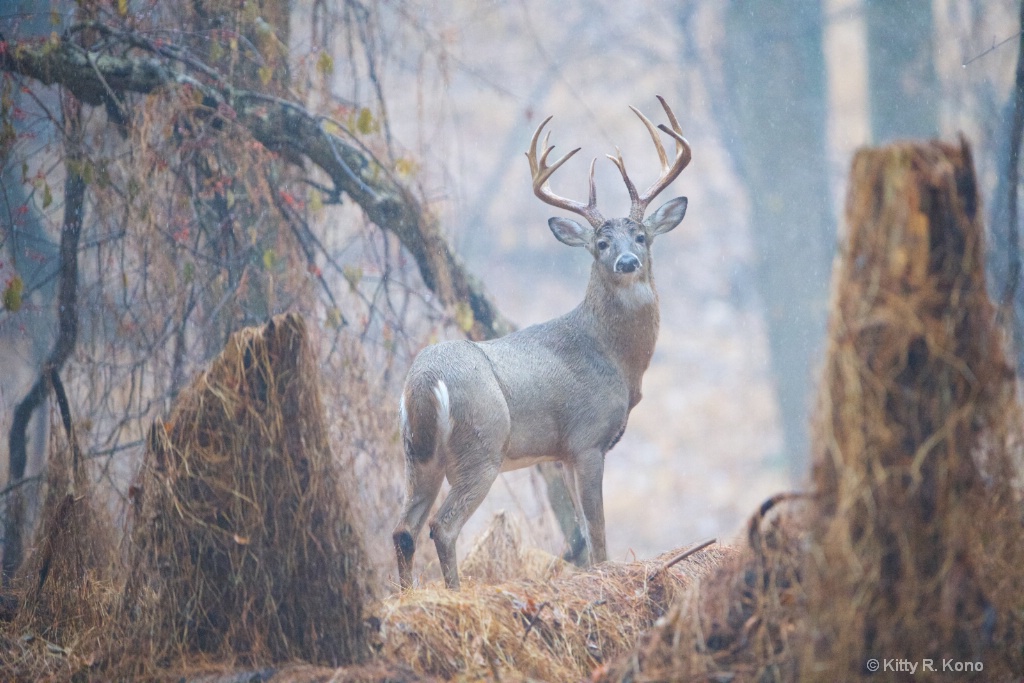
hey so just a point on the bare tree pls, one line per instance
(774, 100)
(229, 155)
(904, 85)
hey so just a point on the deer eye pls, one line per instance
(602, 245)
(640, 239)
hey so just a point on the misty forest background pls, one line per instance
(141, 224)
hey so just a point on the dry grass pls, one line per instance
(558, 629)
(65, 592)
(497, 556)
(741, 623)
(917, 527)
(243, 548)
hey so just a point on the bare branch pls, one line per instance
(280, 125)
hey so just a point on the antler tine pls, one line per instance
(542, 172)
(593, 186)
(669, 172)
(630, 187)
(654, 136)
(676, 132)
(682, 146)
(671, 119)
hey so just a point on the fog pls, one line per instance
(773, 97)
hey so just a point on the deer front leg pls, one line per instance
(589, 470)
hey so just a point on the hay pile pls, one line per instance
(65, 592)
(498, 556)
(741, 623)
(554, 630)
(912, 545)
(917, 528)
(242, 548)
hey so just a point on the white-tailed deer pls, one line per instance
(561, 390)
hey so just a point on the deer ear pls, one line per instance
(669, 215)
(570, 232)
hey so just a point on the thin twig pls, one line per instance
(991, 49)
(534, 619)
(15, 485)
(683, 555)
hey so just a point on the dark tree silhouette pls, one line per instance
(775, 99)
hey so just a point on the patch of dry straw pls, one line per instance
(65, 591)
(741, 622)
(243, 548)
(498, 555)
(555, 629)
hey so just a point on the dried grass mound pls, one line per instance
(496, 555)
(242, 547)
(740, 623)
(66, 588)
(917, 528)
(558, 630)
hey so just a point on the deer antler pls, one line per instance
(668, 172)
(541, 173)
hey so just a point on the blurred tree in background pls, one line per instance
(775, 97)
(904, 88)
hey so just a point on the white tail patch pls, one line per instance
(444, 410)
(403, 416)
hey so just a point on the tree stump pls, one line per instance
(916, 532)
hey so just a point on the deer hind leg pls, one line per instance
(423, 484)
(471, 479)
(587, 475)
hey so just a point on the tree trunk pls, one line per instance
(775, 73)
(1005, 258)
(67, 335)
(901, 73)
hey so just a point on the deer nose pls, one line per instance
(627, 263)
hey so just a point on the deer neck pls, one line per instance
(625, 321)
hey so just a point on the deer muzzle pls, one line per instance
(627, 263)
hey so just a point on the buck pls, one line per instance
(561, 390)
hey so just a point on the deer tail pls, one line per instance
(425, 415)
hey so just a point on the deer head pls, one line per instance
(621, 245)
